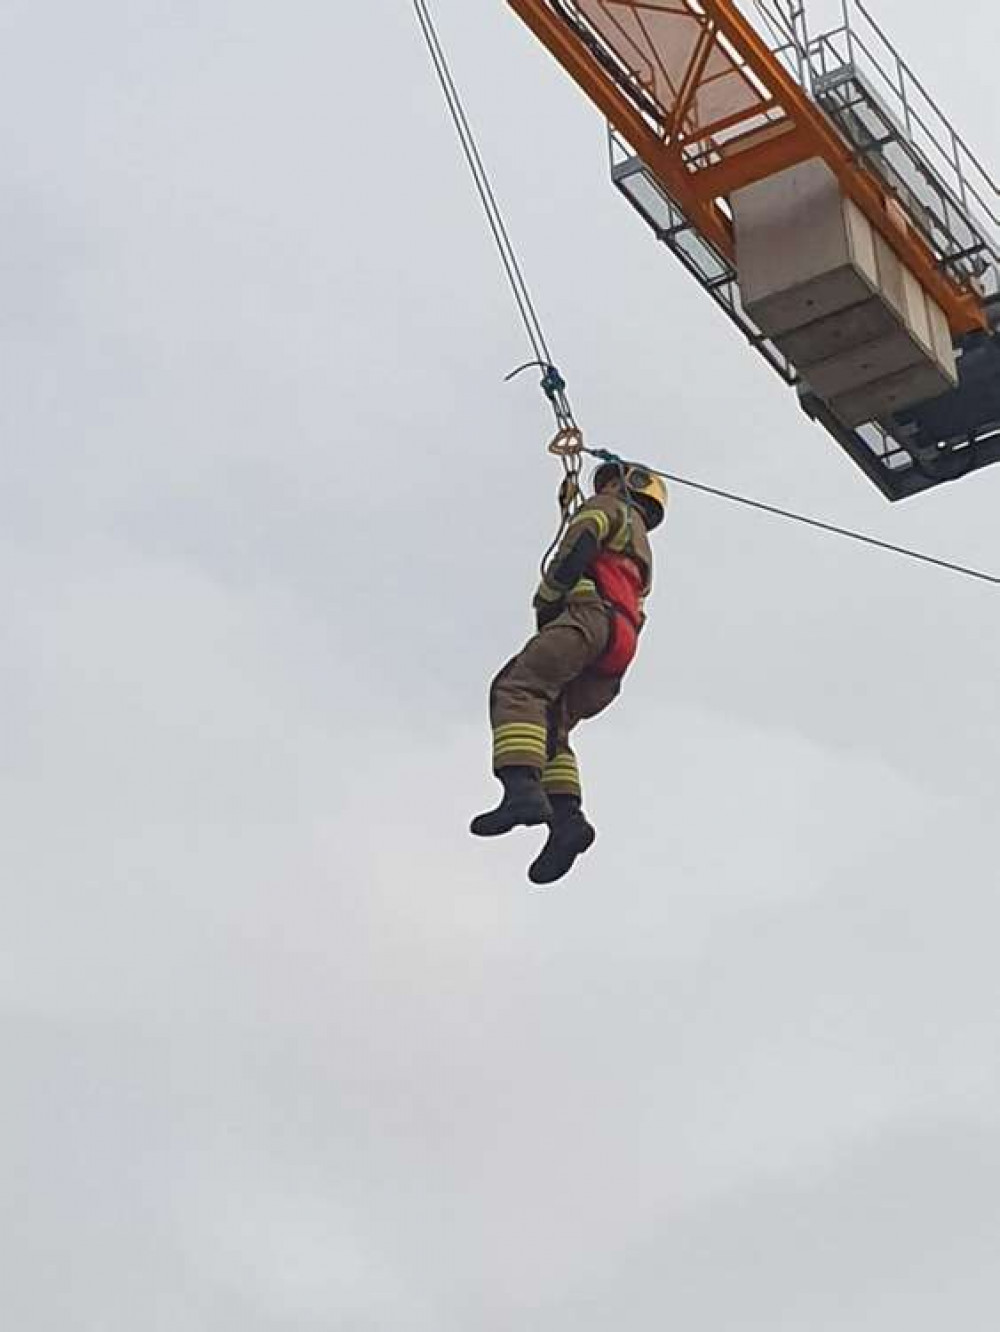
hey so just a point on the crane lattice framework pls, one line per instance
(705, 98)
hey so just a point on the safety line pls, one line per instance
(606, 456)
(552, 383)
(480, 175)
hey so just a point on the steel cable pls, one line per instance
(606, 456)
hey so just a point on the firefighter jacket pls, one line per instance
(605, 555)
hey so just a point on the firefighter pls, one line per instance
(589, 613)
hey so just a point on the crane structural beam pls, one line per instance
(709, 108)
(821, 199)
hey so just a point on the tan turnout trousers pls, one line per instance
(546, 690)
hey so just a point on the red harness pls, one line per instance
(620, 582)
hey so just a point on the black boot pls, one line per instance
(569, 836)
(524, 804)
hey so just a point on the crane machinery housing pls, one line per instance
(815, 191)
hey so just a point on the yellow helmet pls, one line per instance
(648, 489)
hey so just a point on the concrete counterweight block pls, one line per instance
(842, 331)
(871, 402)
(835, 298)
(803, 252)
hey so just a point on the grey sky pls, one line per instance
(284, 1049)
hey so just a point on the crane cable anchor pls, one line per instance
(553, 385)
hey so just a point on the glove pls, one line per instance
(547, 611)
(548, 603)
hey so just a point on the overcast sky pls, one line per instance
(284, 1050)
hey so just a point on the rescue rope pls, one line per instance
(606, 455)
(553, 383)
(568, 441)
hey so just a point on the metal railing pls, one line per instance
(860, 46)
(785, 25)
(857, 76)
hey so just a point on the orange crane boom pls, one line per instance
(709, 108)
